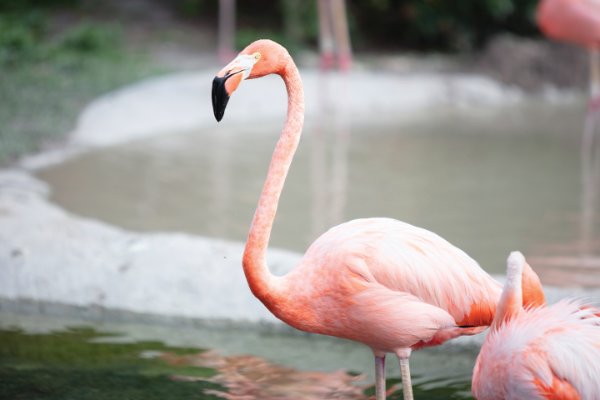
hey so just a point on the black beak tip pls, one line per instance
(219, 97)
(219, 115)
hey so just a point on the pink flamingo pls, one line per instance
(538, 353)
(378, 281)
(226, 33)
(578, 22)
(334, 37)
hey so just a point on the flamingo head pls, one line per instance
(260, 58)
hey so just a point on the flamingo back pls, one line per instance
(542, 353)
(408, 259)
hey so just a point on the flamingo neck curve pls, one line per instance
(262, 283)
(511, 299)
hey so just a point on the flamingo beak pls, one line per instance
(228, 80)
(220, 97)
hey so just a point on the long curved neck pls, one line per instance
(511, 300)
(257, 273)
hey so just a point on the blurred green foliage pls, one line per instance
(440, 24)
(375, 24)
(25, 38)
(381, 24)
(51, 67)
(49, 72)
(11, 6)
(19, 35)
(90, 38)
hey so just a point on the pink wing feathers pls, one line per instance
(538, 353)
(395, 263)
(405, 258)
(544, 353)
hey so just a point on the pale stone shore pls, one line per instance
(181, 102)
(48, 255)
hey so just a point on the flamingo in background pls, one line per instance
(578, 22)
(334, 37)
(381, 282)
(226, 27)
(538, 353)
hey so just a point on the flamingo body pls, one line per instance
(387, 284)
(540, 353)
(574, 21)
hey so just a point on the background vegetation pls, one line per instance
(51, 67)
(56, 55)
(386, 24)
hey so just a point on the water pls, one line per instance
(488, 180)
(53, 358)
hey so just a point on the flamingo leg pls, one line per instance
(594, 75)
(406, 383)
(380, 377)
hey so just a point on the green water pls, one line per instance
(82, 363)
(69, 364)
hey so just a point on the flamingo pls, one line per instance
(384, 283)
(577, 22)
(334, 37)
(226, 26)
(538, 353)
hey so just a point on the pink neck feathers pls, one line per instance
(511, 300)
(257, 273)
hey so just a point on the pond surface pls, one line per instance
(47, 358)
(488, 180)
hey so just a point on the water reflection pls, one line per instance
(329, 141)
(590, 173)
(220, 183)
(251, 377)
(578, 262)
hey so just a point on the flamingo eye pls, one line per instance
(256, 56)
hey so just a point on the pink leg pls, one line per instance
(226, 36)
(380, 377)
(341, 34)
(327, 61)
(594, 104)
(403, 356)
(406, 383)
(326, 43)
